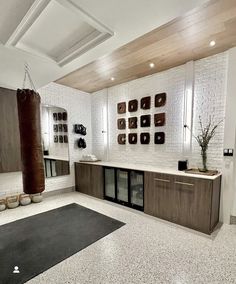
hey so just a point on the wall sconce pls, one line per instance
(188, 107)
(104, 125)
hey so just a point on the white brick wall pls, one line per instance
(210, 80)
(209, 99)
(99, 101)
(78, 106)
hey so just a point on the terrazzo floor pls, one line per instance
(145, 250)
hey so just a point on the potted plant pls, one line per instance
(203, 139)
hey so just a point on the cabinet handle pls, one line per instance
(184, 183)
(160, 179)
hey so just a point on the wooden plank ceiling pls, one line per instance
(177, 42)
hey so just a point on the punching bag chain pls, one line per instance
(27, 75)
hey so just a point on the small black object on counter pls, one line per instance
(183, 165)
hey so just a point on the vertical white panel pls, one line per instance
(188, 107)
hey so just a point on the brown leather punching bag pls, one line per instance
(30, 136)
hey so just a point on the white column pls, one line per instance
(105, 127)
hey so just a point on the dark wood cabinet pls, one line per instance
(159, 199)
(97, 181)
(191, 202)
(89, 179)
(10, 157)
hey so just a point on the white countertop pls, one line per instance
(149, 168)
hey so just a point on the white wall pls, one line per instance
(210, 90)
(209, 99)
(78, 106)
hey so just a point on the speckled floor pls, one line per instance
(145, 250)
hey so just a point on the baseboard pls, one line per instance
(58, 191)
(232, 220)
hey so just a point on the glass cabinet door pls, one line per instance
(110, 189)
(136, 188)
(123, 185)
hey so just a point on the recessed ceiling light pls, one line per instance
(112, 79)
(212, 43)
(152, 65)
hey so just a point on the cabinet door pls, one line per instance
(163, 196)
(83, 178)
(110, 188)
(136, 188)
(193, 202)
(158, 195)
(97, 181)
(149, 192)
(122, 186)
(10, 157)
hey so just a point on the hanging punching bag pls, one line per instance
(30, 136)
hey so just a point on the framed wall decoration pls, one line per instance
(160, 119)
(55, 128)
(59, 116)
(121, 123)
(145, 138)
(64, 115)
(133, 122)
(133, 138)
(160, 99)
(121, 139)
(145, 120)
(159, 138)
(60, 139)
(60, 127)
(55, 116)
(146, 103)
(65, 127)
(55, 139)
(133, 105)
(121, 107)
(65, 139)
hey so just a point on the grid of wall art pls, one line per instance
(144, 120)
(60, 127)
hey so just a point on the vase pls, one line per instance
(204, 160)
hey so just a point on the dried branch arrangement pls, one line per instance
(203, 139)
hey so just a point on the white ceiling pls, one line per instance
(54, 31)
